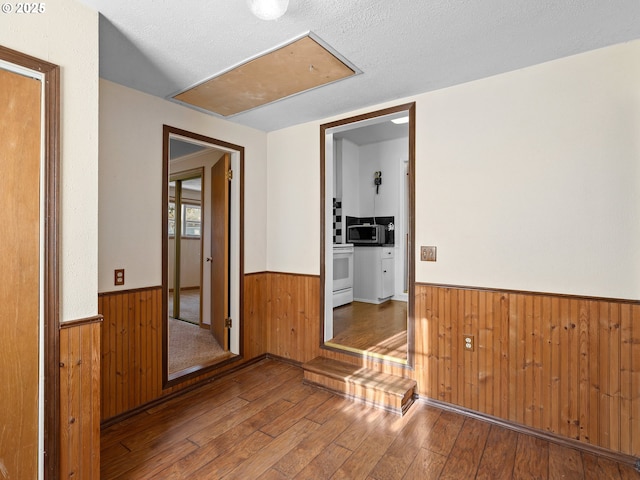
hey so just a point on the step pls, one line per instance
(378, 389)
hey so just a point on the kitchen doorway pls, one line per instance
(367, 193)
(202, 251)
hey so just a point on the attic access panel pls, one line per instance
(298, 66)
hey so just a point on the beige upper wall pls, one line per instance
(527, 180)
(130, 210)
(66, 34)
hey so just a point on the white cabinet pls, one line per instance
(373, 275)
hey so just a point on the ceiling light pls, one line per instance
(401, 120)
(268, 9)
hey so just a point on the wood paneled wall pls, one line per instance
(80, 399)
(561, 364)
(131, 349)
(293, 312)
(132, 344)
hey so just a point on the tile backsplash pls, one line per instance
(337, 221)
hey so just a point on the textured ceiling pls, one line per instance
(402, 47)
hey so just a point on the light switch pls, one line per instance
(118, 276)
(428, 254)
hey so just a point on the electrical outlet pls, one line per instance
(118, 276)
(468, 342)
(428, 254)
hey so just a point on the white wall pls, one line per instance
(130, 210)
(385, 157)
(66, 34)
(350, 174)
(293, 199)
(527, 180)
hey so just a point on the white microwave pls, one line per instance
(366, 234)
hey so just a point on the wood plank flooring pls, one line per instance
(263, 423)
(379, 329)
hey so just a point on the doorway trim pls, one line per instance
(410, 109)
(50, 74)
(197, 371)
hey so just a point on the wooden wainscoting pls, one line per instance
(80, 399)
(562, 364)
(132, 345)
(293, 315)
(131, 349)
(256, 295)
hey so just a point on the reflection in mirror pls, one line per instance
(367, 234)
(185, 249)
(201, 256)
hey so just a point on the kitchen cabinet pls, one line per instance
(373, 274)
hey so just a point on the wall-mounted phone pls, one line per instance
(377, 180)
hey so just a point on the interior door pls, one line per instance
(220, 195)
(20, 125)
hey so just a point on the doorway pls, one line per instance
(368, 203)
(202, 251)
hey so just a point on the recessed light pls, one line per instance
(401, 120)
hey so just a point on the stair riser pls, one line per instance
(398, 404)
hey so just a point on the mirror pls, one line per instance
(202, 249)
(367, 260)
(185, 250)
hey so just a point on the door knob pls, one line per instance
(209, 259)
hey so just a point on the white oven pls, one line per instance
(342, 274)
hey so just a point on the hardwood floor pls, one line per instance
(263, 423)
(380, 330)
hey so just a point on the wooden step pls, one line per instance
(381, 390)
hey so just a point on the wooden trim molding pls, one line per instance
(527, 292)
(410, 109)
(127, 291)
(51, 118)
(81, 321)
(301, 275)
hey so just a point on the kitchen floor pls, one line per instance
(377, 329)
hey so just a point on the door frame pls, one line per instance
(410, 109)
(50, 163)
(237, 256)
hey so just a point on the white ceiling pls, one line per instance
(403, 47)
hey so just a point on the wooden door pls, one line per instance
(20, 126)
(220, 195)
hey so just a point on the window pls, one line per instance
(172, 219)
(191, 220)
(191, 215)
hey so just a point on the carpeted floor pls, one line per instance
(189, 305)
(190, 346)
